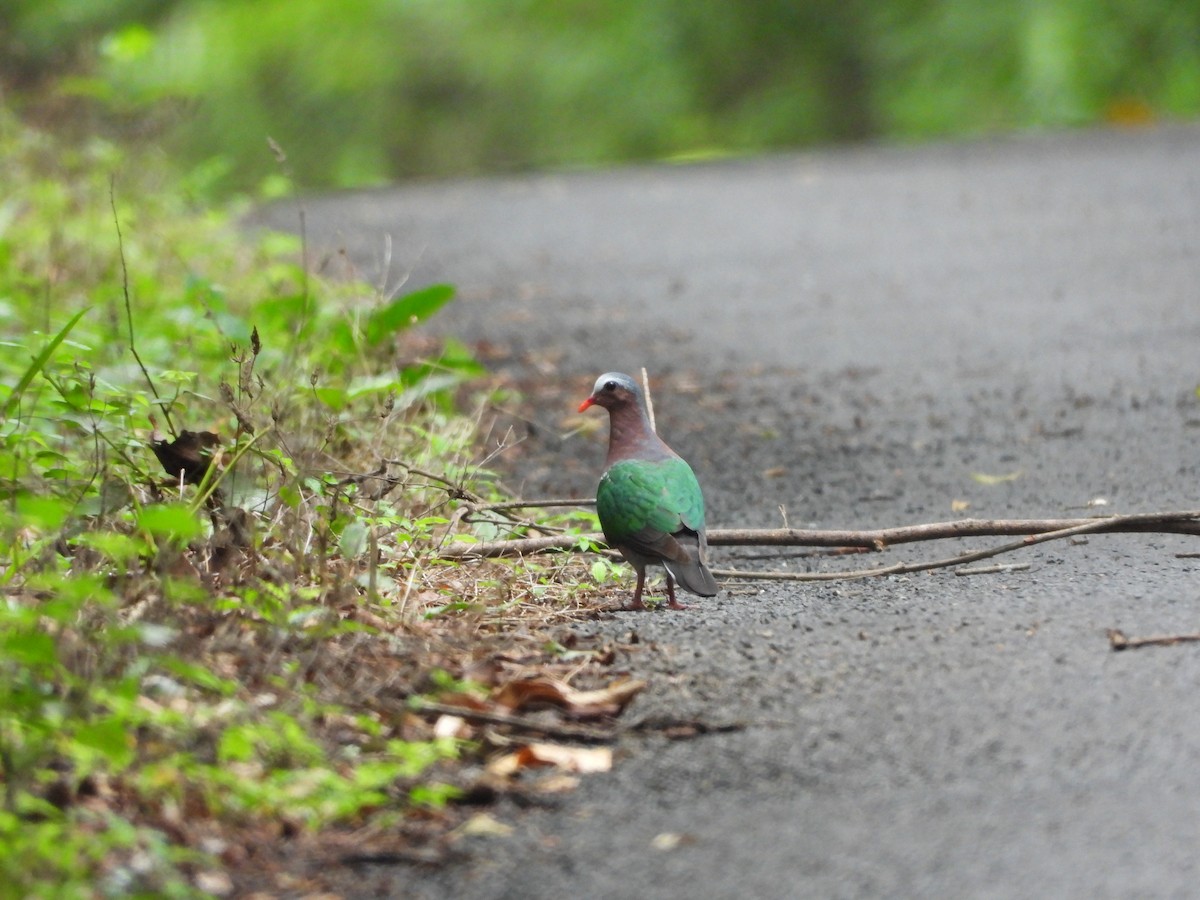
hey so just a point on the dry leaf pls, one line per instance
(484, 825)
(557, 784)
(451, 727)
(583, 760)
(959, 505)
(505, 766)
(580, 760)
(541, 690)
(216, 883)
(669, 840)
(464, 700)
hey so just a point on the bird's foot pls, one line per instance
(672, 603)
(634, 605)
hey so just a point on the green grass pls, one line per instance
(222, 486)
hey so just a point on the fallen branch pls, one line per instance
(905, 568)
(1035, 531)
(874, 539)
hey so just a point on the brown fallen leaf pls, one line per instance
(578, 760)
(581, 760)
(542, 690)
(484, 825)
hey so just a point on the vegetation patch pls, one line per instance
(229, 650)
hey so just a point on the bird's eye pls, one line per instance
(610, 385)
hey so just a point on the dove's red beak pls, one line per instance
(590, 401)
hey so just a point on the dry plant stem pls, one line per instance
(532, 504)
(112, 202)
(474, 502)
(993, 570)
(1118, 641)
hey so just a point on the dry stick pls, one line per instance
(875, 539)
(1184, 523)
(532, 504)
(1118, 641)
(905, 568)
(994, 570)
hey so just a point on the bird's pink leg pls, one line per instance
(672, 603)
(636, 602)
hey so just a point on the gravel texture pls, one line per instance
(853, 335)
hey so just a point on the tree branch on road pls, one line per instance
(1033, 531)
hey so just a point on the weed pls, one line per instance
(222, 487)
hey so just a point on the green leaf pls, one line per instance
(353, 540)
(199, 676)
(334, 398)
(120, 548)
(108, 737)
(44, 513)
(33, 649)
(175, 521)
(407, 311)
(39, 363)
(237, 744)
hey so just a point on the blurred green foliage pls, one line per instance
(361, 91)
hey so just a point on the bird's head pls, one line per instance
(612, 390)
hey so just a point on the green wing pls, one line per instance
(636, 498)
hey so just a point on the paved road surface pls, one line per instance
(854, 335)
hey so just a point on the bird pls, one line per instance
(648, 500)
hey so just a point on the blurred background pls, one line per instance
(269, 96)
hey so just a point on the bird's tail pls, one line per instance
(693, 576)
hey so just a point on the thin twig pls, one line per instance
(475, 503)
(993, 570)
(532, 504)
(1118, 641)
(112, 201)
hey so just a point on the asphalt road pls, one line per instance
(855, 335)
